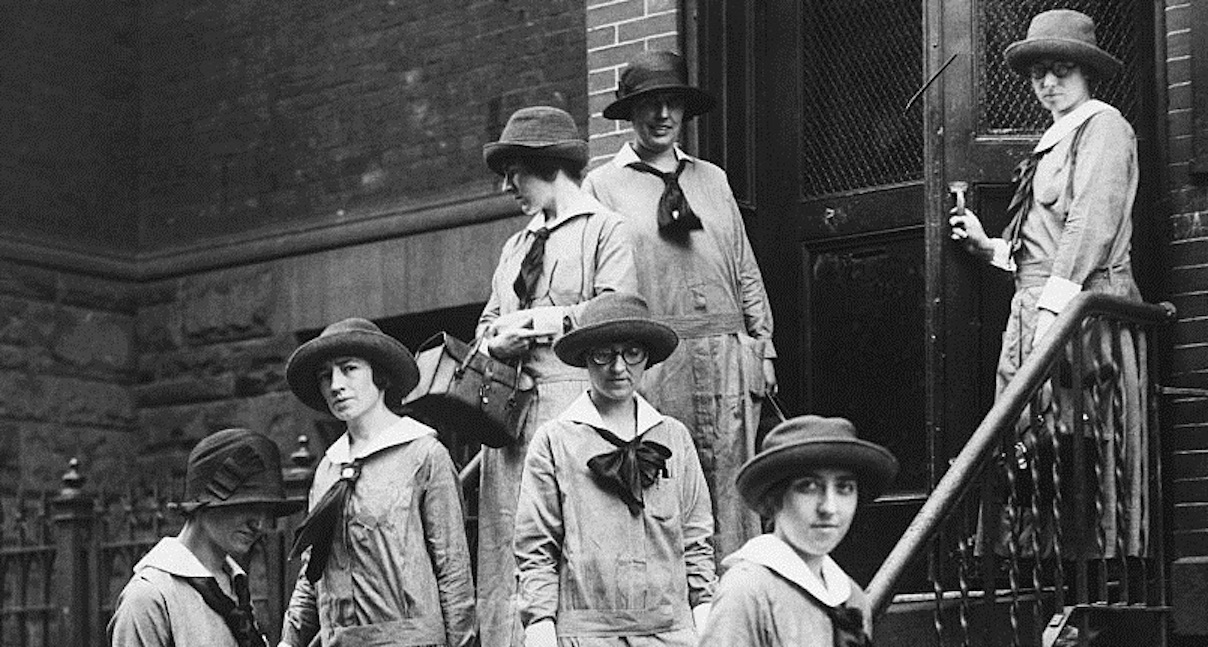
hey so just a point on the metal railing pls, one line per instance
(1054, 524)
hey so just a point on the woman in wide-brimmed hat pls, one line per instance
(782, 589)
(572, 250)
(189, 590)
(613, 522)
(697, 271)
(385, 558)
(1070, 231)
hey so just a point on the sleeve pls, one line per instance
(1104, 185)
(491, 311)
(756, 311)
(444, 534)
(738, 614)
(301, 621)
(141, 618)
(614, 267)
(539, 532)
(697, 524)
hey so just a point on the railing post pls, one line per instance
(73, 590)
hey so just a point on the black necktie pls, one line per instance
(320, 526)
(237, 615)
(849, 626)
(630, 468)
(675, 216)
(530, 268)
(1021, 201)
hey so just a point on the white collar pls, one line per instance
(172, 557)
(1069, 123)
(403, 431)
(627, 155)
(583, 411)
(582, 204)
(771, 552)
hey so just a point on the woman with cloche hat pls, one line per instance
(1070, 231)
(189, 590)
(572, 250)
(613, 522)
(385, 559)
(782, 589)
(697, 271)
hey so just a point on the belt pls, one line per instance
(696, 326)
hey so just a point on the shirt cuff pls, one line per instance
(769, 350)
(1057, 294)
(1001, 258)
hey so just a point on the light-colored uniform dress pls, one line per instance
(399, 572)
(770, 598)
(1077, 236)
(710, 291)
(605, 575)
(588, 253)
(159, 609)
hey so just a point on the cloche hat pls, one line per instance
(235, 467)
(657, 71)
(1061, 35)
(353, 337)
(536, 131)
(814, 441)
(615, 317)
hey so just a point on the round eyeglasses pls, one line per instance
(1060, 69)
(605, 356)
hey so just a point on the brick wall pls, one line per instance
(66, 357)
(68, 123)
(616, 31)
(275, 115)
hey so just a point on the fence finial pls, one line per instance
(72, 480)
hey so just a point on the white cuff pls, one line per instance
(1057, 294)
(1001, 257)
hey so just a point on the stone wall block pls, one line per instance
(94, 341)
(159, 327)
(65, 400)
(172, 429)
(24, 281)
(26, 323)
(260, 365)
(105, 455)
(230, 306)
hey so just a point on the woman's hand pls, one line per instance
(769, 377)
(511, 336)
(541, 634)
(968, 231)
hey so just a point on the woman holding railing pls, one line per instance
(1070, 230)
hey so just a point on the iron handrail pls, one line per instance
(1000, 419)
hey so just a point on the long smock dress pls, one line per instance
(607, 576)
(399, 572)
(770, 598)
(1077, 236)
(588, 253)
(158, 608)
(710, 291)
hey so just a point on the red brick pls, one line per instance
(1179, 97)
(669, 42)
(1178, 16)
(602, 37)
(596, 102)
(609, 144)
(602, 81)
(650, 26)
(655, 6)
(1178, 70)
(600, 126)
(1178, 148)
(1178, 44)
(601, 15)
(1179, 122)
(610, 56)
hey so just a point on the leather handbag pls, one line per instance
(465, 391)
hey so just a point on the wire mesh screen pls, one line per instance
(1006, 104)
(863, 61)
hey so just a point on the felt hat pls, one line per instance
(652, 72)
(354, 337)
(616, 317)
(536, 131)
(1061, 35)
(235, 467)
(813, 441)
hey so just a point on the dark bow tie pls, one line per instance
(630, 468)
(320, 526)
(675, 216)
(849, 626)
(237, 614)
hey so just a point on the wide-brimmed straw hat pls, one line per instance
(354, 337)
(537, 131)
(1061, 35)
(657, 71)
(813, 442)
(235, 467)
(616, 317)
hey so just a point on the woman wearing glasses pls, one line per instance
(614, 517)
(1070, 230)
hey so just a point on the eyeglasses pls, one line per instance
(1060, 69)
(605, 356)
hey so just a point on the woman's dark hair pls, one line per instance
(773, 498)
(547, 168)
